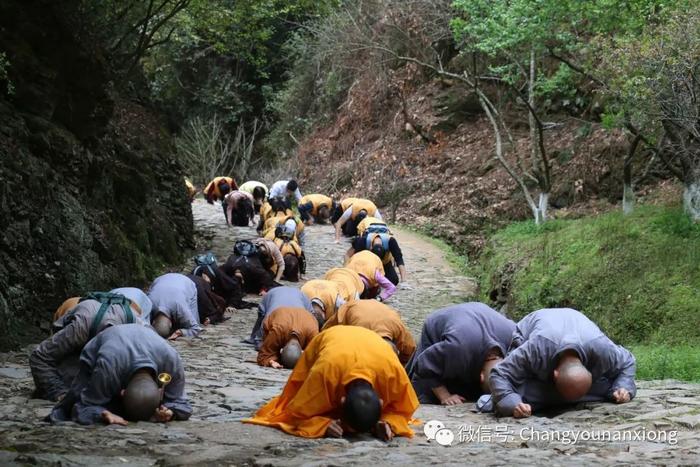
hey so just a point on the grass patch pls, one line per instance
(637, 277)
(667, 362)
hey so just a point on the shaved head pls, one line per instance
(290, 354)
(141, 396)
(362, 407)
(163, 325)
(572, 379)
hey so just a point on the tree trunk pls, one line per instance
(541, 209)
(691, 199)
(628, 199)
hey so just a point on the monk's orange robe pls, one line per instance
(280, 326)
(310, 400)
(379, 318)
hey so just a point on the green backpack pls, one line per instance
(107, 299)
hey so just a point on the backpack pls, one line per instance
(377, 228)
(244, 248)
(107, 299)
(205, 261)
(371, 236)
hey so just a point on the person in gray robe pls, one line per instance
(175, 297)
(139, 297)
(458, 347)
(558, 357)
(109, 364)
(278, 297)
(54, 362)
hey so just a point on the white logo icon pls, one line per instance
(432, 427)
(444, 437)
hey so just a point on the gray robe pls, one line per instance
(452, 349)
(54, 362)
(277, 297)
(106, 365)
(526, 373)
(175, 296)
(139, 297)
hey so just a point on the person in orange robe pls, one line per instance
(379, 318)
(348, 380)
(286, 332)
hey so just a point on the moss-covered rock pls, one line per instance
(90, 196)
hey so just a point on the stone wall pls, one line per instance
(90, 196)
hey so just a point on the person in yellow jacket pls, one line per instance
(326, 296)
(315, 208)
(349, 282)
(288, 226)
(273, 208)
(347, 380)
(353, 215)
(217, 189)
(371, 271)
(294, 259)
(379, 318)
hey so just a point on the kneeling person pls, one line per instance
(54, 362)
(175, 312)
(371, 270)
(560, 357)
(118, 380)
(285, 334)
(315, 208)
(347, 380)
(458, 348)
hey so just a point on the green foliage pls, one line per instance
(667, 362)
(636, 276)
(652, 78)
(507, 32)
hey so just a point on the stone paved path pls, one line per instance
(226, 386)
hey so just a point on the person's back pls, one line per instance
(349, 281)
(377, 317)
(561, 325)
(139, 297)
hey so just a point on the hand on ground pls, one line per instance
(111, 419)
(175, 335)
(162, 415)
(522, 410)
(334, 430)
(621, 395)
(453, 399)
(382, 430)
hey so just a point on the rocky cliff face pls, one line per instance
(90, 197)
